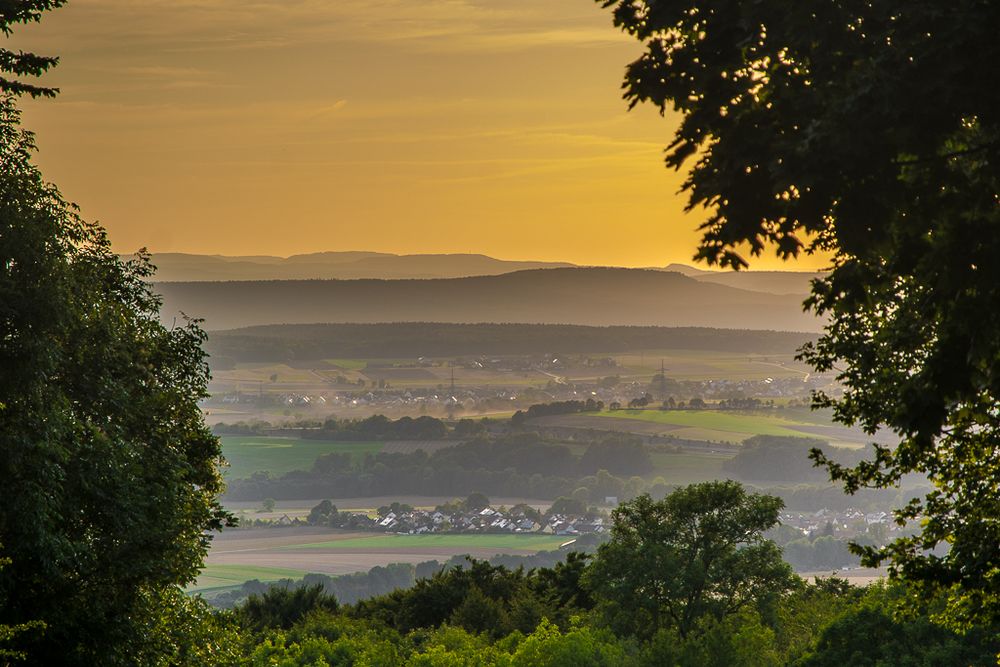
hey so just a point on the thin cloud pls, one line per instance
(223, 25)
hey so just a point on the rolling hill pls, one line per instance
(590, 296)
(773, 282)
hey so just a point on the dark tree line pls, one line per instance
(431, 339)
(556, 408)
(518, 464)
(785, 459)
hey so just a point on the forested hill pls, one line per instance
(593, 296)
(774, 282)
(414, 339)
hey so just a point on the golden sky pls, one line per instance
(290, 126)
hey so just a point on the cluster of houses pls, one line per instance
(488, 520)
(842, 523)
(415, 400)
(471, 399)
(403, 519)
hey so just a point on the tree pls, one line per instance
(870, 132)
(8, 633)
(567, 506)
(870, 636)
(21, 64)
(475, 502)
(281, 607)
(579, 647)
(110, 475)
(697, 553)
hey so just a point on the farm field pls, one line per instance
(708, 365)
(348, 364)
(713, 425)
(248, 454)
(300, 508)
(716, 426)
(440, 376)
(241, 555)
(526, 543)
(226, 576)
(319, 376)
(742, 424)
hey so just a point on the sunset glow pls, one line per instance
(280, 127)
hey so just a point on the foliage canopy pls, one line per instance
(869, 131)
(20, 64)
(110, 475)
(699, 552)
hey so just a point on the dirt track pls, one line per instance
(258, 539)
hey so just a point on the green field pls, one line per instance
(411, 542)
(348, 364)
(225, 576)
(712, 422)
(708, 365)
(248, 454)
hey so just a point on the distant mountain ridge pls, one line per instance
(352, 265)
(183, 267)
(588, 296)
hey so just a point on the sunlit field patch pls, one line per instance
(739, 424)
(223, 576)
(248, 454)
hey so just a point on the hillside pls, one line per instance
(182, 267)
(600, 297)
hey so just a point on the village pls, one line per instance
(377, 394)
(566, 516)
(490, 520)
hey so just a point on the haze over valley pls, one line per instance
(602, 296)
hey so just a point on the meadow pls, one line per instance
(248, 454)
(476, 542)
(727, 426)
(218, 576)
(708, 365)
(270, 554)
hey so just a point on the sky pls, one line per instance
(280, 127)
